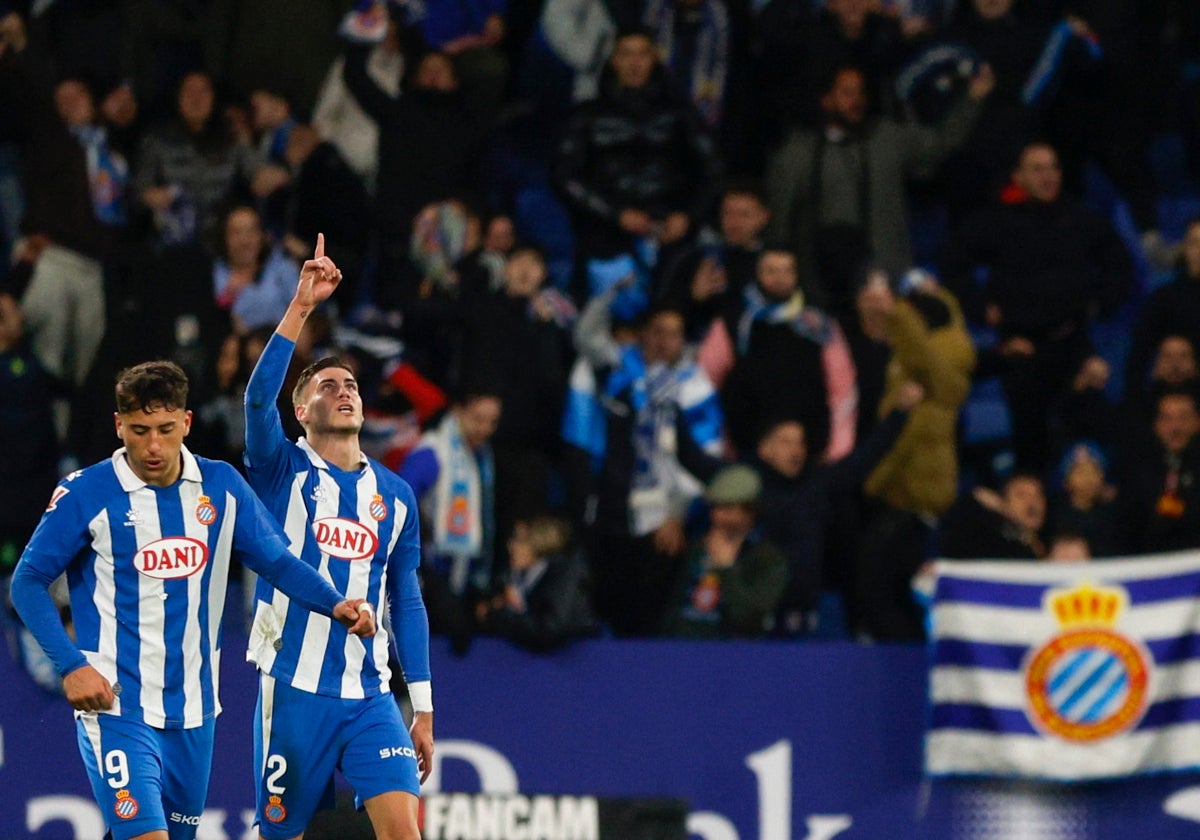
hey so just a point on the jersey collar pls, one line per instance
(130, 481)
(318, 461)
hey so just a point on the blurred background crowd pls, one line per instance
(704, 318)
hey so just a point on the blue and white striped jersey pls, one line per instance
(147, 568)
(359, 529)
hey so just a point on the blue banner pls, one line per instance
(766, 741)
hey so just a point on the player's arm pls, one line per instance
(264, 428)
(410, 629)
(410, 624)
(85, 688)
(262, 547)
(59, 538)
(319, 277)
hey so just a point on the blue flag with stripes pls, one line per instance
(1065, 672)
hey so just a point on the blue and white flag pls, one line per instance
(1065, 672)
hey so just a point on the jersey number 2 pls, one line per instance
(277, 764)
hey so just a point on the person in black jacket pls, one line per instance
(1085, 503)
(986, 525)
(1175, 368)
(1162, 492)
(1171, 309)
(543, 603)
(518, 338)
(1052, 266)
(322, 194)
(635, 163)
(796, 508)
(774, 354)
(711, 275)
(429, 150)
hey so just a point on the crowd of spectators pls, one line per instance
(669, 310)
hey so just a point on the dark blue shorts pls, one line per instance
(301, 738)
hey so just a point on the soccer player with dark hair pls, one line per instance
(145, 539)
(325, 702)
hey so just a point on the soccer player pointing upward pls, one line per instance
(324, 700)
(145, 539)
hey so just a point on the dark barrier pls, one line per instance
(765, 741)
(515, 816)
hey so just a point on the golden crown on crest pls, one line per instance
(1087, 605)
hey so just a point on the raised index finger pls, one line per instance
(320, 250)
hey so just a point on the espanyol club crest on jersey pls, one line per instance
(1088, 682)
(345, 539)
(206, 513)
(275, 812)
(126, 807)
(377, 508)
(170, 558)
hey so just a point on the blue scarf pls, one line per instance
(684, 386)
(701, 61)
(1046, 77)
(804, 320)
(108, 173)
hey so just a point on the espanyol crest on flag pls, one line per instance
(1065, 672)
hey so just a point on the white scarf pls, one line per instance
(458, 512)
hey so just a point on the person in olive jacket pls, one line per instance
(917, 480)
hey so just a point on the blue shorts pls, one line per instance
(300, 738)
(146, 779)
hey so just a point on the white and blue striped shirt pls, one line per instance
(359, 529)
(147, 568)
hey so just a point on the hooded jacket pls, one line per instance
(920, 473)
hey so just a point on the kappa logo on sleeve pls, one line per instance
(56, 497)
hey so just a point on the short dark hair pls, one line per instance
(524, 246)
(779, 247)
(1176, 335)
(657, 308)
(635, 30)
(1069, 534)
(479, 386)
(1180, 391)
(151, 385)
(276, 89)
(79, 78)
(771, 423)
(1037, 142)
(829, 77)
(743, 185)
(1023, 473)
(312, 370)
